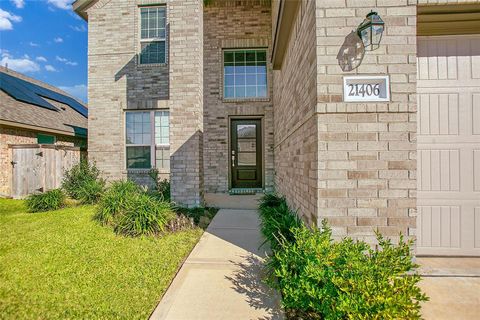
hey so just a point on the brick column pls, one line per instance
(186, 100)
(367, 152)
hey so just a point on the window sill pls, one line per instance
(151, 65)
(145, 171)
(227, 100)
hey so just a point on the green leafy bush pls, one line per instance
(143, 215)
(347, 279)
(133, 212)
(82, 182)
(162, 186)
(50, 200)
(323, 279)
(277, 220)
(91, 191)
(114, 200)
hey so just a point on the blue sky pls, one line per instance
(45, 40)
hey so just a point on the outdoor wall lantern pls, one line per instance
(371, 31)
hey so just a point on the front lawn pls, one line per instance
(62, 264)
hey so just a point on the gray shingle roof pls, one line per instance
(66, 119)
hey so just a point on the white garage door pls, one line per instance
(448, 134)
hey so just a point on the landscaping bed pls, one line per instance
(319, 278)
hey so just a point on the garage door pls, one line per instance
(448, 133)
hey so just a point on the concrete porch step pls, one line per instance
(227, 201)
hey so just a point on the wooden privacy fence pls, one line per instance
(39, 167)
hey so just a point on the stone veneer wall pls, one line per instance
(367, 152)
(10, 135)
(232, 24)
(295, 97)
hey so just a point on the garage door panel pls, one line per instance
(476, 113)
(449, 58)
(439, 226)
(477, 227)
(475, 43)
(476, 171)
(439, 170)
(438, 114)
(448, 179)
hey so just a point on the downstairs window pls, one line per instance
(147, 139)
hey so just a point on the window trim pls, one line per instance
(150, 40)
(222, 72)
(153, 145)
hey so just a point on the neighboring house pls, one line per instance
(234, 96)
(34, 114)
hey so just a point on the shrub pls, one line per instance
(162, 186)
(143, 215)
(91, 191)
(199, 216)
(277, 220)
(114, 200)
(82, 182)
(324, 279)
(50, 200)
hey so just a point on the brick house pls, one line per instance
(34, 114)
(241, 95)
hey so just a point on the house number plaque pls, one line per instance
(366, 88)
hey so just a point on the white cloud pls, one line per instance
(58, 40)
(66, 61)
(24, 64)
(61, 4)
(6, 19)
(79, 91)
(41, 59)
(33, 44)
(19, 3)
(80, 28)
(50, 68)
(74, 15)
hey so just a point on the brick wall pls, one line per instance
(117, 83)
(186, 101)
(10, 135)
(367, 152)
(295, 96)
(232, 24)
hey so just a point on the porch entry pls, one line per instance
(246, 153)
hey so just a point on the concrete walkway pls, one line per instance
(453, 285)
(222, 277)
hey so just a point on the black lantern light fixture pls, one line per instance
(371, 31)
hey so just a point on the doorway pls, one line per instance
(246, 153)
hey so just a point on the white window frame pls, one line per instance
(241, 99)
(161, 146)
(153, 144)
(150, 40)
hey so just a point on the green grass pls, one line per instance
(63, 265)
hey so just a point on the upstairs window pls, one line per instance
(153, 35)
(245, 74)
